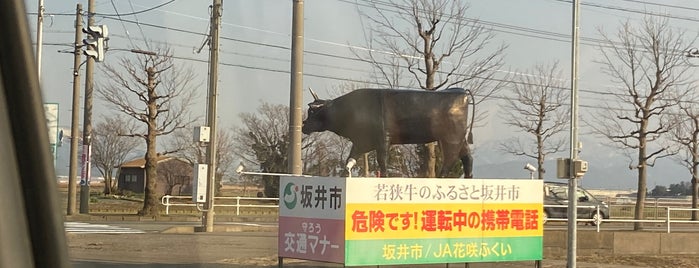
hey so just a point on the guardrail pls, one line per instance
(166, 201)
(598, 222)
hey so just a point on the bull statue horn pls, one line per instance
(315, 97)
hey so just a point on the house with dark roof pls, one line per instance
(174, 176)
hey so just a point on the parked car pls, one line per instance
(557, 194)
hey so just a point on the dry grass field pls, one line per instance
(131, 203)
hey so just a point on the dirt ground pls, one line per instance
(251, 249)
(657, 261)
(259, 249)
(584, 261)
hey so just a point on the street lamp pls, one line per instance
(531, 169)
(691, 53)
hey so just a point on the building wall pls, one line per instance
(175, 172)
(132, 179)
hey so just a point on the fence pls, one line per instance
(655, 208)
(668, 218)
(185, 201)
(669, 214)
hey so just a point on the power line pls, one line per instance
(323, 54)
(547, 35)
(506, 28)
(629, 10)
(662, 5)
(122, 24)
(136, 12)
(329, 77)
(499, 27)
(139, 25)
(247, 42)
(308, 52)
(528, 32)
(237, 53)
(286, 48)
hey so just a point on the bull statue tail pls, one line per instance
(469, 139)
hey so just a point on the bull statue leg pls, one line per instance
(355, 152)
(382, 160)
(350, 164)
(450, 153)
(382, 150)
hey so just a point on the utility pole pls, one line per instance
(694, 53)
(296, 98)
(208, 220)
(72, 170)
(573, 180)
(39, 36)
(87, 121)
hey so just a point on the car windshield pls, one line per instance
(559, 192)
(167, 117)
(562, 193)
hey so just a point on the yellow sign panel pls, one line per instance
(405, 221)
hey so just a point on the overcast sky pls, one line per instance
(255, 45)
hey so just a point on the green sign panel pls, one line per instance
(423, 251)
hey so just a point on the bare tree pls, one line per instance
(536, 107)
(439, 47)
(325, 154)
(248, 180)
(183, 146)
(176, 174)
(262, 141)
(647, 67)
(156, 93)
(110, 149)
(685, 132)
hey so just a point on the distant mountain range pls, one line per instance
(607, 168)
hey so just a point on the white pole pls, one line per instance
(572, 182)
(39, 37)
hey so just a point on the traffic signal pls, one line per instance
(95, 43)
